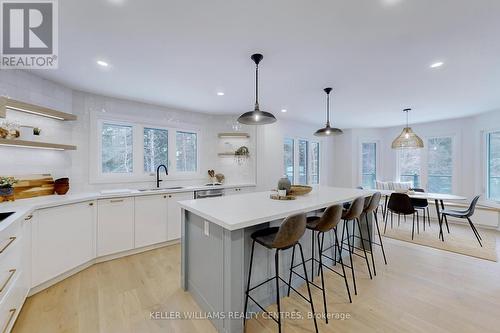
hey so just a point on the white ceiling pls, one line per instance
(374, 53)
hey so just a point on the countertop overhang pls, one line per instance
(246, 210)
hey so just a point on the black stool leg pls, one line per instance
(364, 250)
(291, 268)
(413, 227)
(385, 223)
(308, 287)
(445, 218)
(320, 250)
(371, 244)
(276, 266)
(248, 284)
(342, 265)
(312, 254)
(350, 257)
(380, 238)
(428, 216)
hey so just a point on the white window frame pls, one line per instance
(96, 176)
(424, 159)
(377, 159)
(485, 166)
(174, 152)
(309, 158)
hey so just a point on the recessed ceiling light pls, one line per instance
(220, 93)
(284, 110)
(102, 63)
(437, 64)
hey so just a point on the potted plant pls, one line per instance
(6, 186)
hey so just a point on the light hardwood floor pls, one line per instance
(421, 290)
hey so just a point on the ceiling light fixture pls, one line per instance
(102, 63)
(257, 117)
(437, 64)
(284, 110)
(220, 93)
(327, 130)
(407, 139)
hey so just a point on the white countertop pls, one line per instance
(245, 210)
(23, 207)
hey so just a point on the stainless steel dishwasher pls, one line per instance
(209, 193)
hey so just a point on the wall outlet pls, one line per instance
(206, 228)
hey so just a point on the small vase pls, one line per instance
(284, 184)
(6, 191)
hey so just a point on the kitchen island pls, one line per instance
(216, 247)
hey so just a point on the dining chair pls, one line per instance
(400, 203)
(422, 204)
(465, 214)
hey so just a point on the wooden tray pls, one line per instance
(286, 197)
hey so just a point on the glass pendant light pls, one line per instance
(257, 117)
(407, 139)
(327, 130)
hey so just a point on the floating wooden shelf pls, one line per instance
(8, 103)
(35, 144)
(234, 135)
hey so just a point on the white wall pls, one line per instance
(468, 134)
(264, 167)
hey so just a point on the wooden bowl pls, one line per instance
(300, 190)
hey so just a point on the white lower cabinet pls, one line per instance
(174, 213)
(115, 225)
(63, 238)
(150, 219)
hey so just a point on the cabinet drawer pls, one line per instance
(9, 237)
(10, 266)
(11, 304)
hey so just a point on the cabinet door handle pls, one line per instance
(91, 203)
(114, 201)
(169, 196)
(29, 217)
(12, 313)
(12, 272)
(11, 239)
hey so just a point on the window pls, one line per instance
(315, 162)
(493, 167)
(155, 148)
(368, 164)
(186, 153)
(440, 165)
(288, 160)
(116, 148)
(303, 154)
(409, 166)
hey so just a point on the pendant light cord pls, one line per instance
(328, 108)
(257, 86)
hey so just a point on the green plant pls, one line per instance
(7, 181)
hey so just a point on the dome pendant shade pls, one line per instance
(257, 117)
(328, 130)
(407, 139)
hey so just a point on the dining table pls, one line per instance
(438, 199)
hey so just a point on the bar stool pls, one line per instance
(327, 222)
(371, 206)
(280, 238)
(353, 214)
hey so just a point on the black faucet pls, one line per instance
(158, 180)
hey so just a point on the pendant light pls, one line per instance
(257, 117)
(327, 130)
(407, 139)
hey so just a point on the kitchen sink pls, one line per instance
(160, 189)
(3, 216)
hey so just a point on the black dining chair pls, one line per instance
(465, 214)
(400, 203)
(422, 204)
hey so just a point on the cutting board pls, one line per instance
(29, 186)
